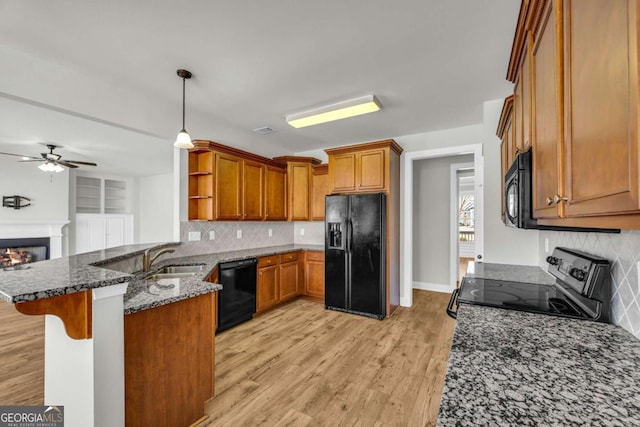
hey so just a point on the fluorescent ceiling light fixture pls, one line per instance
(341, 110)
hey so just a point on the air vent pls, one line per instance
(264, 130)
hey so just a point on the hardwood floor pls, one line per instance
(298, 365)
(303, 365)
(21, 357)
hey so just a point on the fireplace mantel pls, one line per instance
(18, 229)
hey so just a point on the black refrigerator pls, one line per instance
(355, 234)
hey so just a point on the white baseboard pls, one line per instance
(435, 287)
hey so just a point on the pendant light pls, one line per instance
(184, 139)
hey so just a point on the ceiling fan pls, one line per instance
(51, 162)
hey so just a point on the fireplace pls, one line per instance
(50, 231)
(15, 252)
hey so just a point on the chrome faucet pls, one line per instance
(147, 259)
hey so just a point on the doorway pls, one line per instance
(462, 214)
(407, 206)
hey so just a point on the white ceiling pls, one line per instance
(99, 77)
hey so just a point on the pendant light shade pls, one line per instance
(183, 139)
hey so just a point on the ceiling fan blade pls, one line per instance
(81, 163)
(66, 164)
(30, 160)
(19, 155)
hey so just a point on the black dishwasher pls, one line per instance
(237, 299)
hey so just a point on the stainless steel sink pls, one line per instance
(159, 276)
(182, 269)
(177, 271)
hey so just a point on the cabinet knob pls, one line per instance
(549, 201)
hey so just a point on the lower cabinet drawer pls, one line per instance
(266, 261)
(289, 257)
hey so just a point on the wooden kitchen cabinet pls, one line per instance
(547, 126)
(228, 187)
(505, 133)
(227, 184)
(584, 116)
(320, 187)
(276, 197)
(278, 279)
(169, 362)
(267, 283)
(289, 277)
(314, 275)
(298, 186)
(299, 183)
(361, 168)
(522, 101)
(253, 189)
(601, 107)
(200, 185)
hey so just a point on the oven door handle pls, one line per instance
(452, 300)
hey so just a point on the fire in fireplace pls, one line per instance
(15, 252)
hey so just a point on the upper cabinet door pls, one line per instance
(370, 169)
(228, 170)
(276, 197)
(320, 187)
(299, 191)
(601, 97)
(547, 118)
(253, 191)
(342, 172)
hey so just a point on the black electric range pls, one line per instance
(582, 289)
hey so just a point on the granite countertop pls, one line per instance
(517, 368)
(67, 275)
(143, 294)
(76, 273)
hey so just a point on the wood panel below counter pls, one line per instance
(169, 362)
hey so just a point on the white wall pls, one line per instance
(439, 139)
(154, 203)
(432, 217)
(502, 244)
(49, 193)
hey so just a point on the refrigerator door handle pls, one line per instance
(350, 235)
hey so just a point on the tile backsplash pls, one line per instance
(308, 233)
(623, 250)
(254, 234)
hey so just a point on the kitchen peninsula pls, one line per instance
(84, 299)
(114, 358)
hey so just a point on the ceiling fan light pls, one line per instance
(57, 168)
(44, 167)
(183, 140)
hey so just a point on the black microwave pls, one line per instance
(518, 198)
